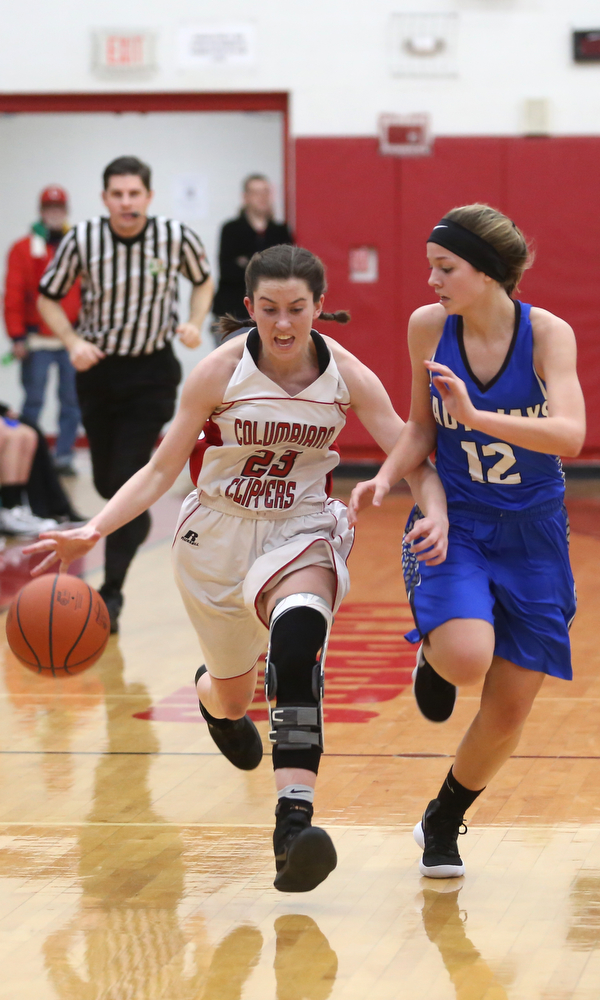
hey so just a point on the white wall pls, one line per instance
(218, 150)
(333, 57)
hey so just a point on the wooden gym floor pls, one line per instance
(135, 862)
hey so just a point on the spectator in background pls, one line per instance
(31, 496)
(34, 344)
(253, 230)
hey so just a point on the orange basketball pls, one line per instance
(57, 625)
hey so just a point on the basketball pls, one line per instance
(57, 625)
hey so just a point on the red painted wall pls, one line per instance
(348, 195)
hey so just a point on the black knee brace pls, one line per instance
(300, 626)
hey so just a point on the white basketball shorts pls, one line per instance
(223, 563)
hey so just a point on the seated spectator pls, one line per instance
(31, 496)
(253, 230)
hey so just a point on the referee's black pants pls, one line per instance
(124, 403)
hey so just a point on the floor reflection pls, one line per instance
(584, 929)
(128, 940)
(52, 711)
(130, 953)
(305, 963)
(445, 926)
(233, 960)
(125, 942)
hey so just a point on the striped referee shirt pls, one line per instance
(128, 285)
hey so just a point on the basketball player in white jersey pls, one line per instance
(260, 551)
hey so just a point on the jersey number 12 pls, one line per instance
(497, 472)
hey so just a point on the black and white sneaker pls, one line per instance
(72, 519)
(304, 854)
(435, 697)
(237, 739)
(437, 835)
(21, 521)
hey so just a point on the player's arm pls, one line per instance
(417, 438)
(202, 393)
(374, 409)
(429, 537)
(562, 432)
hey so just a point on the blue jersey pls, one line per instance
(476, 468)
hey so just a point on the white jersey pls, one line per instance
(268, 453)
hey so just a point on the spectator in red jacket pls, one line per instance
(33, 342)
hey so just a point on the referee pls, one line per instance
(127, 373)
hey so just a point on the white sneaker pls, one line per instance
(20, 521)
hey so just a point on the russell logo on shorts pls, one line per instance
(191, 538)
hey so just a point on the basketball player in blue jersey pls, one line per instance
(495, 391)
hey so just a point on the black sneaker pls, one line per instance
(237, 739)
(437, 834)
(304, 854)
(435, 697)
(114, 602)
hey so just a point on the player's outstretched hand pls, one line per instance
(189, 335)
(429, 540)
(373, 490)
(65, 546)
(454, 393)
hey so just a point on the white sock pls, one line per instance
(297, 792)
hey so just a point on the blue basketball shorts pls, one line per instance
(510, 568)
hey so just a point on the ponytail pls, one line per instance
(340, 316)
(229, 324)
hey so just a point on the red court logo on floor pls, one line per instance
(368, 661)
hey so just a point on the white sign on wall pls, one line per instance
(121, 51)
(226, 44)
(189, 195)
(363, 264)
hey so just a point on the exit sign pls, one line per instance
(586, 46)
(405, 135)
(121, 52)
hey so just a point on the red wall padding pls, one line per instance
(348, 195)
